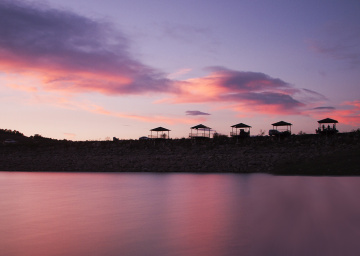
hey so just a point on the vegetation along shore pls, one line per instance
(293, 155)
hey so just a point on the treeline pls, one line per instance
(10, 132)
(17, 133)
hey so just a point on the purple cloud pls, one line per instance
(249, 81)
(196, 113)
(71, 52)
(267, 98)
(246, 92)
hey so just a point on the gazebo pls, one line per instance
(162, 131)
(200, 131)
(244, 130)
(282, 131)
(327, 130)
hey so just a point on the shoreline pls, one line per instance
(337, 155)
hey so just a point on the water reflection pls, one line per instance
(177, 214)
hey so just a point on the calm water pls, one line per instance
(177, 214)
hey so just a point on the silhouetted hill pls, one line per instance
(294, 155)
(21, 138)
(12, 134)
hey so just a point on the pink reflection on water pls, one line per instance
(177, 214)
(306, 216)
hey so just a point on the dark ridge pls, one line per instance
(293, 155)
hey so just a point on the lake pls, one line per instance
(53, 214)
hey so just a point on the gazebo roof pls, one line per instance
(241, 125)
(200, 126)
(160, 129)
(281, 123)
(327, 121)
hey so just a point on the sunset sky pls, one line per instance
(90, 69)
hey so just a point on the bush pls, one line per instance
(10, 132)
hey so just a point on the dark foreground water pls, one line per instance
(177, 214)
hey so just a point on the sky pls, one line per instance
(93, 70)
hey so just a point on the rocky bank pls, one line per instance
(256, 154)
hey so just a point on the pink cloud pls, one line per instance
(70, 136)
(21, 87)
(243, 91)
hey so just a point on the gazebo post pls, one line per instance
(162, 130)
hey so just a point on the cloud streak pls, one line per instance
(90, 107)
(196, 113)
(340, 42)
(324, 108)
(148, 119)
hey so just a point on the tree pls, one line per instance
(261, 132)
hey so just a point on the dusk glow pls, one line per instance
(88, 70)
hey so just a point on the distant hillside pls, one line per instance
(20, 137)
(12, 134)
